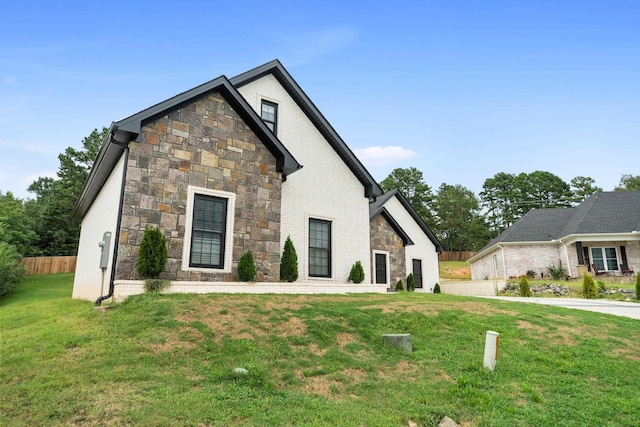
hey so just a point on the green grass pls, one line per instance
(455, 270)
(313, 360)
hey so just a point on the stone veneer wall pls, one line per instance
(384, 238)
(204, 144)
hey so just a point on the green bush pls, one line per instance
(289, 262)
(357, 273)
(638, 286)
(588, 287)
(525, 289)
(436, 289)
(246, 267)
(556, 271)
(10, 269)
(531, 274)
(153, 253)
(399, 286)
(601, 286)
(411, 283)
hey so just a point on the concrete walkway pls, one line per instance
(618, 308)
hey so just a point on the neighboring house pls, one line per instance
(402, 243)
(219, 169)
(603, 230)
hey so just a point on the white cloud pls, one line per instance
(304, 48)
(384, 156)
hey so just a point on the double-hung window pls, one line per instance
(319, 248)
(208, 243)
(380, 267)
(417, 272)
(208, 231)
(605, 259)
(269, 115)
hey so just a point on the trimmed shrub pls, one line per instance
(638, 286)
(411, 283)
(246, 267)
(525, 289)
(289, 262)
(588, 287)
(10, 269)
(531, 274)
(556, 271)
(436, 289)
(399, 286)
(357, 273)
(153, 253)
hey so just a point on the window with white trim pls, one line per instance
(319, 248)
(269, 115)
(605, 259)
(208, 243)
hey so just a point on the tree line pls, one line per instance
(43, 225)
(463, 221)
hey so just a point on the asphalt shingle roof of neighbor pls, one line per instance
(603, 212)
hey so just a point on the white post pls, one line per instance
(491, 350)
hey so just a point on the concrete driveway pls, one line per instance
(618, 308)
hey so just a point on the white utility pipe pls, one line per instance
(491, 350)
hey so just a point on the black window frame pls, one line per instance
(312, 249)
(271, 124)
(380, 271)
(417, 276)
(197, 199)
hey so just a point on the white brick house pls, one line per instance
(602, 231)
(229, 166)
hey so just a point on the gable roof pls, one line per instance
(372, 189)
(611, 212)
(377, 206)
(129, 129)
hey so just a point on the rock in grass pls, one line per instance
(447, 422)
(241, 372)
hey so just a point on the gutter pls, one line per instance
(116, 239)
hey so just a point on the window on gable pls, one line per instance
(269, 115)
(319, 248)
(208, 243)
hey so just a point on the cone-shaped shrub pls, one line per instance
(525, 290)
(153, 253)
(246, 267)
(357, 273)
(588, 287)
(411, 283)
(399, 286)
(436, 289)
(638, 286)
(289, 262)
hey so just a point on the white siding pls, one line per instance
(423, 248)
(324, 188)
(101, 217)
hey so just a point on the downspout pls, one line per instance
(504, 262)
(566, 255)
(116, 239)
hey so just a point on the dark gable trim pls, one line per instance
(129, 129)
(372, 189)
(418, 220)
(406, 240)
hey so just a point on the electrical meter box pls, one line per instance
(105, 245)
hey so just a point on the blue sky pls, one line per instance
(460, 90)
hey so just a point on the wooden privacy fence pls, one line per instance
(455, 255)
(49, 265)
